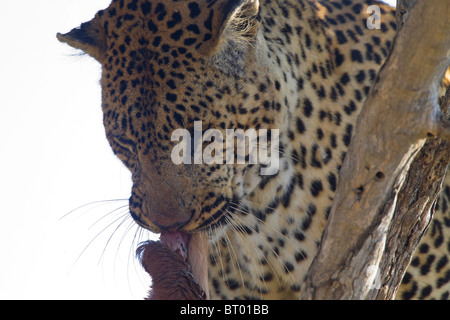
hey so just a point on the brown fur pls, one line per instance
(170, 274)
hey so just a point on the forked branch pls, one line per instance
(400, 112)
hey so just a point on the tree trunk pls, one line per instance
(374, 228)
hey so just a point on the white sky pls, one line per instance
(54, 158)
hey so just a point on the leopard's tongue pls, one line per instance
(194, 249)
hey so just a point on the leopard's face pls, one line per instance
(167, 67)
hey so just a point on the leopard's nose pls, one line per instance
(165, 206)
(169, 221)
(165, 187)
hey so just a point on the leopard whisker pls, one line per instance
(124, 217)
(137, 238)
(238, 265)
(108, 214)
(271, 227)
(96, 237)
(268, 262)
(98, 203)
(219, 255)
(238, 230)
(272, 250)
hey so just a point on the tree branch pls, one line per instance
(402, 11)
(399, 113)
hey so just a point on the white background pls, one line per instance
(55, 161)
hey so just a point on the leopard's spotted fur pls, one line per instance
(301, 66)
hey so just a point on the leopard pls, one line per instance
(301, 67)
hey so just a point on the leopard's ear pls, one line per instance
(233, 20)
(89, 37)
(239, 16)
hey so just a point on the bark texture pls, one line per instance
(373, 228)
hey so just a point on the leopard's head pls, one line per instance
(169, 65)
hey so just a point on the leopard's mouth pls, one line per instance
(183, 253)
